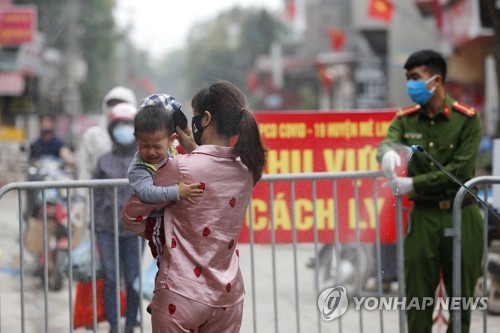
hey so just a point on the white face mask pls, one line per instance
(124, 134)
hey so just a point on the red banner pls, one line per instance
(11, 84)
(319, 142)
(17, 24)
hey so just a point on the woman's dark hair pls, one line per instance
(227, 105)
(432, 60)
(153, 118)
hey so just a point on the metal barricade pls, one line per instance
(49, 300)
(455, 232)
(305, 312)
(282, 294)
(298, 311)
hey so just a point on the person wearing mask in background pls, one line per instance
(96, 140)
(199, 286)
(114, 164)
(49, 144)
(450, 131)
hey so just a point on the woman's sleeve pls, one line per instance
(135, 212)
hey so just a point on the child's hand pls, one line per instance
(190, 191)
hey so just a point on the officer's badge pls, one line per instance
(412, 136)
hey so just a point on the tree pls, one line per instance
(170, 75)
(98, 38)
(226, 47)
(99, 45)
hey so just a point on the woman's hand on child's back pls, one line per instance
(190, 191)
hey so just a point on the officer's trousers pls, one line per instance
(427, 252)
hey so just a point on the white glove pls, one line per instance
(400, 185)
(390, 160)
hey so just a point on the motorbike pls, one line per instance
(51, 203)
(348, 265)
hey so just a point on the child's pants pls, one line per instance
(172, 313)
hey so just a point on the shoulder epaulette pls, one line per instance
(464, 108)
(408, 110)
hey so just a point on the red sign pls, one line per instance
(17, 24)
(11, 83)
(322, 142)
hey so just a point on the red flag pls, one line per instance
(290, 9)
(438, 14)
(324, 78)
(252, 81)
(148, 85)
(337, 38)
(381, 10)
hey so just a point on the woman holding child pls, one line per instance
(199, 286)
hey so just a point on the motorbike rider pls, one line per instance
(49, 144)
(50, 159)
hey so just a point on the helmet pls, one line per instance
(122, 111)
(120, 93)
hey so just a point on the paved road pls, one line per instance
(269, 316)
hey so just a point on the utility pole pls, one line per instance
(74, 67)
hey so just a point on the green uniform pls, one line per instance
(452, 137)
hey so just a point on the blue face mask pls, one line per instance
(417, 90)
(124, 134)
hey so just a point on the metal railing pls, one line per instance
(334, 178)
(63, 185)
(289, 310)
(455, 232)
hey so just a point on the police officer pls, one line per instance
(450, 131)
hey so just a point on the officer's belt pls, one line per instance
(443, 204)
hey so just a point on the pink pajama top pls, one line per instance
(200, 260)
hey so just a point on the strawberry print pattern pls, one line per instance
(232, 202)
(206, 231)
(174, 243)
(197, 271)
(171, 309)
